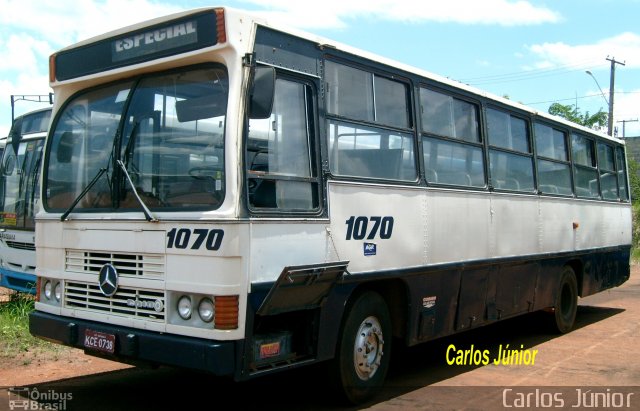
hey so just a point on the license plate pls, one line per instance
(99, 341)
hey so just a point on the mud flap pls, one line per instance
(302, 287)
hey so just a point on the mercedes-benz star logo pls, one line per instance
(108, 280)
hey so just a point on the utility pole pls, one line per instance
(38, 98)
(611, 88)
(624, 123)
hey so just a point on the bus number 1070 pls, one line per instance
(360, 227)
(183, 237)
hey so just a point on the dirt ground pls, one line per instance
(48, 363)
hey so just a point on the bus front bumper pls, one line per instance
(133, 345)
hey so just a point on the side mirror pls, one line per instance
(15, 135)
(262, 92)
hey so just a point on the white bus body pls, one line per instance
(271, 229)
(21, 162)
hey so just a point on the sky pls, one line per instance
(534, 52)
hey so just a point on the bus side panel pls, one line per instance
(604, 270)
(548, 278)
(434, 300)
(447, 301)
(604, 225)
(379, 228)
(278, 244)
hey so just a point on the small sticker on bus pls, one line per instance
(269, 350)
(429, 302)
(370, 249)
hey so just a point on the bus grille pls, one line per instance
(132, 265)
(126, 302)
(21, 246)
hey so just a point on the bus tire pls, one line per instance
(566, 304)
(363, 349)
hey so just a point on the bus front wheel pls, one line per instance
(362, 356)
(566, 303)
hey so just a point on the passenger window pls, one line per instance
(361, 151)
(280, 157)
(507, 131)
(443, 115)
(361, 95)
(554, 170)
(584, 167)
(608, 177)
(453, 163)
(451, 146)
(622, 173)
(510, 158)
(383, 149)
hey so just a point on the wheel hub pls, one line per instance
(368, 348)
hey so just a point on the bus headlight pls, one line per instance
(184, 307)
(206, 310)
(57, 292)
(47, 290)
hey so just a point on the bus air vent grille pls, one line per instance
(126, 302)
(149, 266)
(21, 246)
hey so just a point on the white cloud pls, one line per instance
(31, 30)
(64, 22)
(337, 13)
(627, 107)
(624, 47)
(23, 52)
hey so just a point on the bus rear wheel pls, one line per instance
(362, 356)
(566, 303)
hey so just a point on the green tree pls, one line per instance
(634, 180)
(571, 113)
(634, 184)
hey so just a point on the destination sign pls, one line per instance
(161, 40)
(166, 38)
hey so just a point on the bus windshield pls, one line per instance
(166, 129)
(20, 174)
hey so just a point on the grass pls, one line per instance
(15, 338)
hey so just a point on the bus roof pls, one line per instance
(39, 123)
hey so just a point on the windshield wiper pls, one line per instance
(147, 213)
(73, 205)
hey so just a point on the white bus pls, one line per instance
(222, 194)
(19, 195)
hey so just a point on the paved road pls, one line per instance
(598, 361)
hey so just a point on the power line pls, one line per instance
(578, 98)
(532, 74)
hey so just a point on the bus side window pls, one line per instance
(554, 169)
(451, 144)
(382, 149)
(608, 178)
(279, 153)
(584, 167)
(510, 156)
(622, 173)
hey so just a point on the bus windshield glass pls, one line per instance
(168, 131)
(20, 172)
